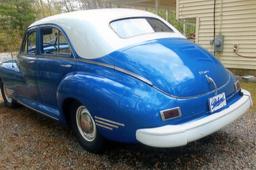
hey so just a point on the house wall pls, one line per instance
(235, 19)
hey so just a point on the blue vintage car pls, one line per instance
(123, 75)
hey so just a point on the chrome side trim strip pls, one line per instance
(148, 81)
(107, 124)
(103, 126)
(109, 121)
(192, 97)
(118, 69)
(45, 114)
(134, 75)
(96, 63)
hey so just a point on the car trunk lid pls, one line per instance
(175, 66)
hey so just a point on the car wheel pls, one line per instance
(8, 101)
(85, 129)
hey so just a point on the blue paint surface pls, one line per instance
(176, 67)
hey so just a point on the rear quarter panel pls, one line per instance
(115, 96)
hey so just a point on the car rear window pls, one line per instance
(130, 27)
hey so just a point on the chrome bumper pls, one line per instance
(179, 135)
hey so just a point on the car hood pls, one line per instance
(176, 66)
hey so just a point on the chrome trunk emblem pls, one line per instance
(211, 81)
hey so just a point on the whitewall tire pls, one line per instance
(85, 129)
(8, 100)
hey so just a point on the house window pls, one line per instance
(189, 28)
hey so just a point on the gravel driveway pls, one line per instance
(31, 141)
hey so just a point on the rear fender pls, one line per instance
(117, 97)
(90, 90)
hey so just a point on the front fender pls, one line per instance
(11, 76)
(116, 97)
(10, 70)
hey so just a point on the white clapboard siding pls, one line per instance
(235, 19)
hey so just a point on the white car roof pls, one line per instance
(91, 35)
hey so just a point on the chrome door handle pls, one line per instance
(66, 65)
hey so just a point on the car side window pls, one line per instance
(63, 45)
(31, 43)
(54, 42)
(29, 46)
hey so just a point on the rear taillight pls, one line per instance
(170, 113)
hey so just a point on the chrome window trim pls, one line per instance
(138, 17)
(72, 55)
(71, 59)
(24, 41)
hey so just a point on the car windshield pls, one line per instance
(130, 27)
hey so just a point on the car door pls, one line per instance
(54, 62)
(26, 62)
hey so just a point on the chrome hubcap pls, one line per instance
(85, 123)
(7, 95)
